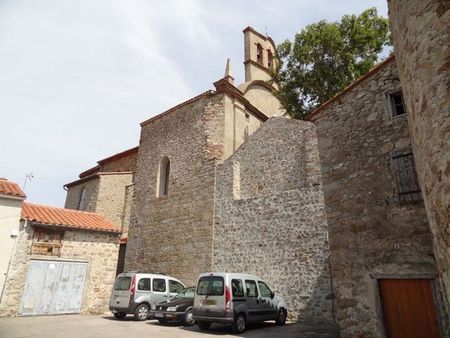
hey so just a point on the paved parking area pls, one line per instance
(83, 326)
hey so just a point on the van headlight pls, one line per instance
(172, 308)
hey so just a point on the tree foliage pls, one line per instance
(326, 57)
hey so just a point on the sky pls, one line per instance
(77, 77)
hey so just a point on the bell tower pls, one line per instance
(259, 55)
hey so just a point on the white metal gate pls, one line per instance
(53, 287)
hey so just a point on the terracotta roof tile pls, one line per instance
(10, 189)
(67, 218)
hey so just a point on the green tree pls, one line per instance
(326, 57)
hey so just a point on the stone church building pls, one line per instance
(328, 211)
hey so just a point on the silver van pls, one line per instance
(136, 293)
(237, 299)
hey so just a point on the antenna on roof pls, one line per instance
(28, 177)
(266, 31)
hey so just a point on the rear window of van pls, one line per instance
(122, 283)
(210, 286)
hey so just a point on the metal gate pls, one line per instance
(53, 287)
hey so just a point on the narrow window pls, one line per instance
(163, 177)
(269, 59)
(82, 200)
(403, 165)
(397, 104)
(259, 54)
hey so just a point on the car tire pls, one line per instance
(188, 320)
(141, 312)
(204, 325)
(120, 315)
(239, 323)
(281, 317)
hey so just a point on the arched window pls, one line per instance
(259, 54)
(269, 59)
(82, 200)
(163, 177)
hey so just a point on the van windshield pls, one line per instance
(122, 283)
(210, 286)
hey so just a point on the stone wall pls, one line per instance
(128, 204)
(111, 196)
(124, 163)
(173, 234)
(99, 249)
(239, 124)
(371, 232)
(105, 195)
(421, 35)
(74, 193)
(269, 217)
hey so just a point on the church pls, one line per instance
(327, 210)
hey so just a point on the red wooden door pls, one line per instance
(408, 308)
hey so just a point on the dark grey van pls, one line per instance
(237, 299)
(136, 293)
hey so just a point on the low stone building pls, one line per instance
(380, 240)
(64, 261)
(102, 189)
(107, 189)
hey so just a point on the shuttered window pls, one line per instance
(404, 168)
(46, 242)
(397, 104)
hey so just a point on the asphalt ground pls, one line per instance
(84, 326)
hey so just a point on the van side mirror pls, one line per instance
(272, 294)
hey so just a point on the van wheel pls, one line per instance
(188, 320)
(239, 323)
(281, 317)
(204, 325)
(120, 315)
(141, 312)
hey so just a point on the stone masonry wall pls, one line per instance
(74, 193)
(269, 217)
(128, 204)
(111, 196)
(421, 35)
(173, 234)
(105, 195)
(371, 233)
(125, 163)
(99, 249)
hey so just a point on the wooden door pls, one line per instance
(408, 308)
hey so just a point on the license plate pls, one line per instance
(209, 302)
(159, 315)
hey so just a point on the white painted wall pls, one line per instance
(10, 209)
